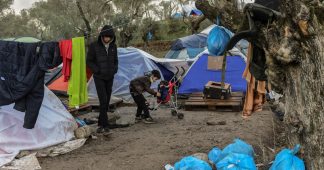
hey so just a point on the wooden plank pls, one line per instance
(213, 100)
(213, 103)
(233, 94)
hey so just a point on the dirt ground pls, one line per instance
(147, 147)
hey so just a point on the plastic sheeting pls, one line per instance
(189, 47)
(217, 40)
(191, 41)
(54, 125)
(194, 82)
(286, 159)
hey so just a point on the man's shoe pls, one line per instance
(149, 120)
(104, 131)
(138, 119)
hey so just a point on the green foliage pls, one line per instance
(57, 19)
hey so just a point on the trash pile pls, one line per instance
(237, 156)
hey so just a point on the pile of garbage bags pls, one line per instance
(238, 156)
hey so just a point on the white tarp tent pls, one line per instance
(54, 125)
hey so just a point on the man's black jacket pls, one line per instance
(103, 63)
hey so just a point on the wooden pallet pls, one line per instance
(81, 109)
(197, 101)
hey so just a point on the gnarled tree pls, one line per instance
(295, 66)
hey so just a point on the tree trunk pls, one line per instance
(225, 9)
(295, 60)
(195, 23)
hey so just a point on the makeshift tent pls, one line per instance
(177, 15)
(134, 63)
(193, 81)
(54, 125)
(187, 47)
(196, 12)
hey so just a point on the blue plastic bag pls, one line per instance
(240, 147)
(235, 161)
(217, 40)
(286, 159)
(214, 155)
(191, 163)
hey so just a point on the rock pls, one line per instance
(82, 132)
(201, 156)
(212, 123)
(113, 117)
(23, 154)
(126, 120)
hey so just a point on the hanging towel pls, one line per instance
(77, 89)
(66, 52)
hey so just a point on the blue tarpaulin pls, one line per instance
(198, 75)
(196, 12)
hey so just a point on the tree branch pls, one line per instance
(83, 16)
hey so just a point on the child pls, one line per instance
(137, 87)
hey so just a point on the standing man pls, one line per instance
(103, 61)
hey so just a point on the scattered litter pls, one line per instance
(236, 161)
(29, 162)
(192, 163)
(286, 159)
(216, 123)
(240, 147)
(62, 148)
(214, 155)
(168, 167)
(201, 156)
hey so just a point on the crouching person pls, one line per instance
(137, 87)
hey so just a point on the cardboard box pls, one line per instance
(215, 62)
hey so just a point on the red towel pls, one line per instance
(66, 52)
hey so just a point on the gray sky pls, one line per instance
(22, 4)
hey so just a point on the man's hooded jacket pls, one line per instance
(103, 62)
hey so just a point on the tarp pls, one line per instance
(187, 47)
(198, 75)
(132, 64)
(196, 12)
(54, 125)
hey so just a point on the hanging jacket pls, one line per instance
(141, 85)
(103, 62)
(22, 71)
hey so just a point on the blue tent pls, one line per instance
(187, 47)
(195, 82)
(196, 12)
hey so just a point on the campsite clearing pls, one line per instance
(142, 146)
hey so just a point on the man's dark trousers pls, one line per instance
(104, 88)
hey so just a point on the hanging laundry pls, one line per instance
(256, 89)
(22, 71)
(66, 52)
(77, 89)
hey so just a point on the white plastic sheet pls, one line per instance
(54, 125)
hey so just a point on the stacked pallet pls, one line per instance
(197, 101)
